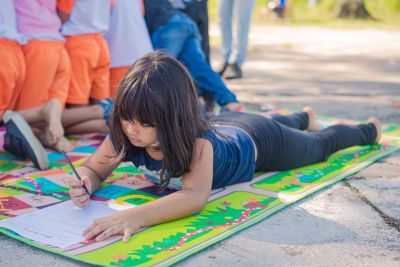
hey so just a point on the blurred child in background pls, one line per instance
(83, 24)
(173, 31)
(19, 138)
(127, 38)
(12, 67)
(48, 69)
(12, 75)
(198, 11)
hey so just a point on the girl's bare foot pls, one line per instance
(51, 112)
(313, 125)
(377, 123)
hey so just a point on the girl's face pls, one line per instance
(140, 135)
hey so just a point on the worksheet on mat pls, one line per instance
(60, 225)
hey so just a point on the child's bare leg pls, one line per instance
(32, 115)
(313, 125)
(78, 115)
(52, 134)
(50, 114)
(69, 106)
(377, 123)
(91, 126)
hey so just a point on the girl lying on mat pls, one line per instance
(155, 124)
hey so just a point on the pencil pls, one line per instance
(76, 173)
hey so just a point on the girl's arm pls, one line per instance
(93, 171)
(196, 188)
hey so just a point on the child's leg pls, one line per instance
(305, 120)
(62, 77)
(73, 116)
(291, 148)
(48, 113)
(101, 73)
(83, 52)
(88, 119)
(296, 120)
(90, 126)
(280, 147)
(41, 65)
(172, 36)
(299, 121)
(52, 134)
(12, 74)
(180, 37)
(116, 76)
(206, 79)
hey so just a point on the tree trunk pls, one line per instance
(353, 9)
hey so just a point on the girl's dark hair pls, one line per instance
(159, 91)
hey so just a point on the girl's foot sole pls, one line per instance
(377, 123)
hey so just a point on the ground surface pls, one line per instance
(344, 73)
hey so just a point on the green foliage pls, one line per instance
(383, 9)
(386, 13)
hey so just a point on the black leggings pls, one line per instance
(282, 145)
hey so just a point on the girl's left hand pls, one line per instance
(122, 222)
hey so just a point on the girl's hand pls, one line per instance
(77, 193)
(122, 222)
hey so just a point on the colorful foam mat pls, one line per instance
(24, 189)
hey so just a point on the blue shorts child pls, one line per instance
(107, 105)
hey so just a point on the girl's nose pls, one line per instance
(132, 129)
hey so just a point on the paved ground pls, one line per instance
(350, 74)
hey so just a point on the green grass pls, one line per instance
(385, 12)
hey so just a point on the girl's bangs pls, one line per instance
(140, 105)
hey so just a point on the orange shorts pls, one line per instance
(90, 60)
(12, 74)
(116, 76)
(48, 72)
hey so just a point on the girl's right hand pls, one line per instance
(77, 193)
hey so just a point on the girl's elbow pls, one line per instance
(196, 199)
(197, 208)
(200, 203)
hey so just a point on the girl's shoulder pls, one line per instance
(203, 142)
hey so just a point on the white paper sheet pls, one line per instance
(60, 225)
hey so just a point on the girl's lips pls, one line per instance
(134, 140)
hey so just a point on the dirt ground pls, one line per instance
(344, 73)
